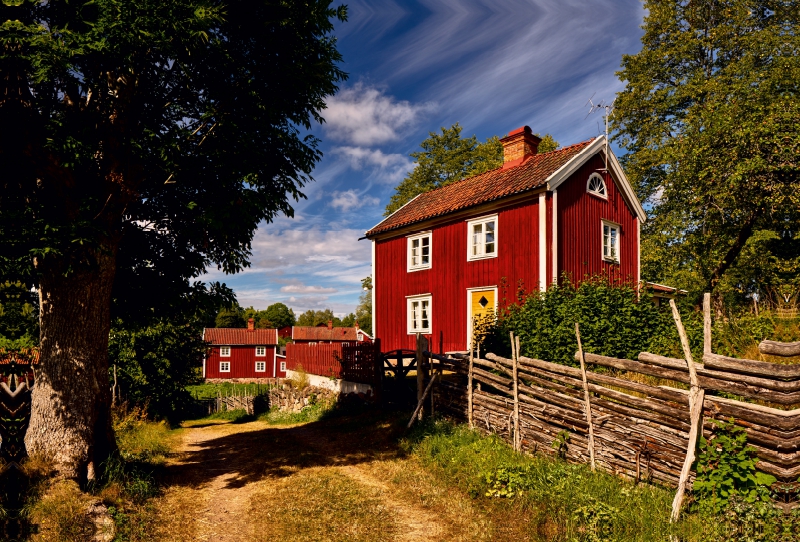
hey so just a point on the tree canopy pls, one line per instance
(144, 142)
(447, 157)
(314, 318)
(709, 120)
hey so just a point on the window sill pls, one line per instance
(611, 260)
(474, 258)
(414, 269)
(600, 196)
(420, 331)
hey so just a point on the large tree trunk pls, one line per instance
(71, 401)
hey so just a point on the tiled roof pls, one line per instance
(308, 333)
(482, 188)
(235, 336)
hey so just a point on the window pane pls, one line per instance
(414, 316)
(424, 315)
(489, 248)
(490, 227)
(426, 250)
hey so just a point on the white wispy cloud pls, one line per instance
(388, 168)
(351, 199)
(366, 116)
(304, 289)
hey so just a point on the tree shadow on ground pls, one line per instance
(253, 451)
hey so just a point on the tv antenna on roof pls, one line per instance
(609, 110)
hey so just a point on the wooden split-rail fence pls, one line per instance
(629, 417)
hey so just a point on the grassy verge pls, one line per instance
(65, 513)
(543, 498)
(210, 391)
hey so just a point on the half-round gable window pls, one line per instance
(596, 185)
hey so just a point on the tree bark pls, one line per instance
(733, 252)
(71, 400)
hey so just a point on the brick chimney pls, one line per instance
(518, 146)
(330, 324)
(356, 325)
(251, 324)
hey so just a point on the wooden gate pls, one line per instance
(362, 362)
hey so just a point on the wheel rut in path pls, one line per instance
(224, 464)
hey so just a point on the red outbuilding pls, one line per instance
(238, 353)
(323, 333)
(445, 256)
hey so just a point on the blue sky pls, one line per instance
(414, 67)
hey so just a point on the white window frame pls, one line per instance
(224, 366)
(261, 351)
(612, 226)
(410, 320)
(283, 366)
(263, 368)
(596, 175)
(409, 256)
(481, 255)
(224, 351)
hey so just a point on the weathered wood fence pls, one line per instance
(352, 361)
(632, 416)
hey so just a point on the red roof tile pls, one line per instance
(308, 333)
(236, 336)
(482, 188)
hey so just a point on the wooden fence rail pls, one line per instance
(641, 424)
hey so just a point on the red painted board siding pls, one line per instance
(243, 363)
(317, 359)
(451, 274)
(580, 217)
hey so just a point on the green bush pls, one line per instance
(726, 468)
(614, 321)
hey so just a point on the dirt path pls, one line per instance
(221, 469)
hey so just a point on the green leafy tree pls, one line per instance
(19, 322)
(231, 317)
(142, 142)
(708, 119)
(447, 157)
(314, 318)
(363, 313)
(279, 315)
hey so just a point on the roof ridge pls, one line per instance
(559, 149)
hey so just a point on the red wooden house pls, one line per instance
(242, 353)
(439, 260)
(323, 333)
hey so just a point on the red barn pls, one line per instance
(323, 333)
(440, 259)
(242, 353)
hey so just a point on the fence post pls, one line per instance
(707, 323)
(515, 375)
(587, 400)
(696, 398)
(420, 381)
(469, 387)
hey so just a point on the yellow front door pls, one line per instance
(482, 305)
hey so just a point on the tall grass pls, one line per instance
(562, 501)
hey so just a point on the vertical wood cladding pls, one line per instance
(580, 216)
(243, 363)
(451, 274)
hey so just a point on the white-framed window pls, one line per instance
(482, 238)
(419, 251)
(224, 366)
(283, 366)
(597, 186)
(261, 351)
(225, 351)
(312, 343)
(419, 314)
(261, 366)
(611, 241)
